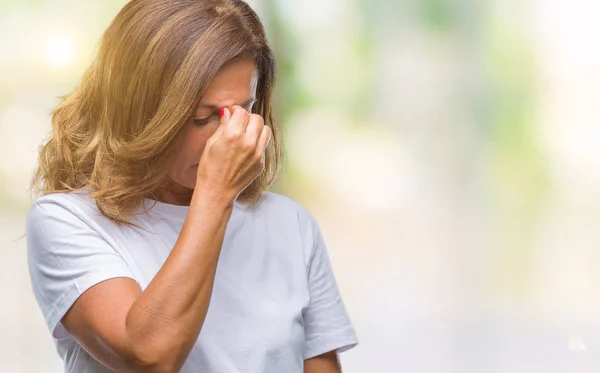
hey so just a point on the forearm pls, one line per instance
(164, 322)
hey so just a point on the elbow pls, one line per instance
(155, 352)
(152, 361)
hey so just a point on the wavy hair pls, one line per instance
(117, 131)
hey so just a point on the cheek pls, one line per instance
(190, 150)
(185, 165)
(193, 146)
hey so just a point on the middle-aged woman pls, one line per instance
(154, 245)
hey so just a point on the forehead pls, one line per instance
(236, 81)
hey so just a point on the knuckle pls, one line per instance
(229, 136)
(233, 134)
(257, 119)
(249, 146)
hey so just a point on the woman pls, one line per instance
(155, 246)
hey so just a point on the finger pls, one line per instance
(264, 139)
(254, 128)
(239, 119)
(225, 116)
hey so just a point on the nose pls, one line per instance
(228, 104)
(230, 107)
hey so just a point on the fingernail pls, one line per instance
(222, 111)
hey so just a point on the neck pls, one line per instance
(175, 194)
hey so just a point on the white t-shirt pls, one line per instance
(275, 300)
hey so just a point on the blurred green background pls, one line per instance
(450, 151)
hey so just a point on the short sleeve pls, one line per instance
(327, 325)
(65, 258)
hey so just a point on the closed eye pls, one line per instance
(203, 121)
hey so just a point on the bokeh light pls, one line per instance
(60, 50)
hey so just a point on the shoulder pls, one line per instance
(274, 200)
(63, 206)
(279, 206)
(290, 215)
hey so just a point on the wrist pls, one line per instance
(207, 196)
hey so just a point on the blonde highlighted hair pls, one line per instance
(117, 131)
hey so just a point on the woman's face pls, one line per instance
(234, 84)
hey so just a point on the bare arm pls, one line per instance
(154, 330)
(128, 330)
(325, 363)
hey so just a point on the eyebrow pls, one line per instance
(218, 107)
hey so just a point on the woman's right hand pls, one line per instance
(234, 155)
